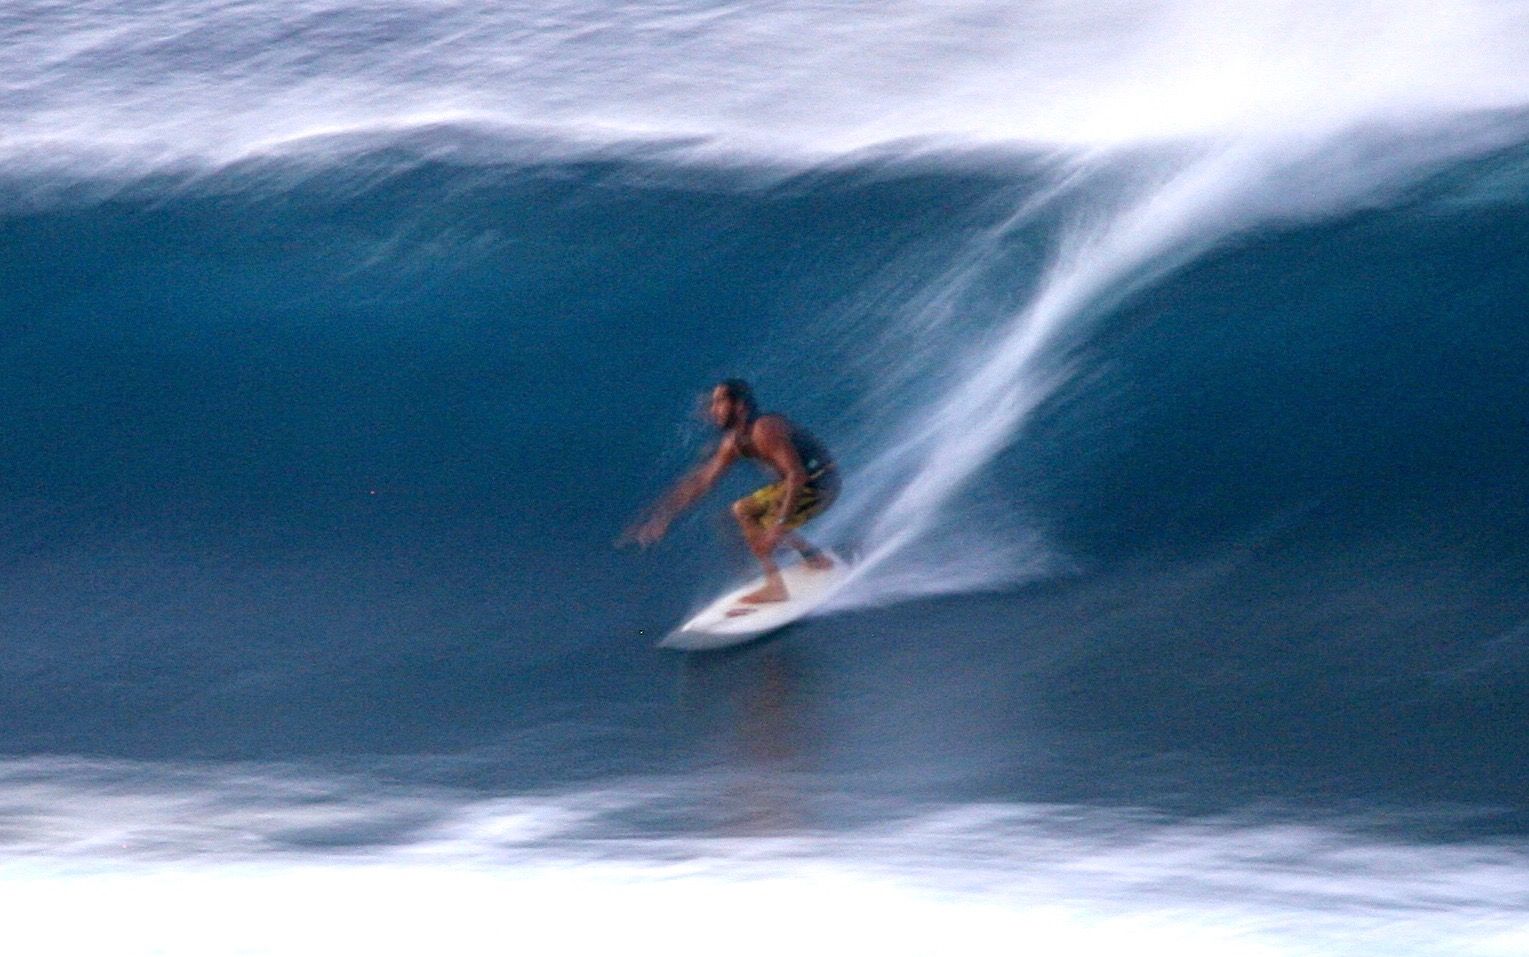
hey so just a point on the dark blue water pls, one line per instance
(314, 473)
(332, 465)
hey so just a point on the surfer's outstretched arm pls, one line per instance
(682, 496)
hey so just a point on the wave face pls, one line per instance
(1173, 353)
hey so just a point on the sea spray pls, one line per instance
(1182, 206)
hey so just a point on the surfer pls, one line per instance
(807, 484)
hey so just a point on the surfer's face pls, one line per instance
(723, 409)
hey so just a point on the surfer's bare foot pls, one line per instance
(772, 591)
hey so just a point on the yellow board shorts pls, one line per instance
(820, 491)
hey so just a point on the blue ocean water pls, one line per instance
(1174, 354)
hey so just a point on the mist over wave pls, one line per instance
(214, 82)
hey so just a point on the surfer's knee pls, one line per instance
(743, 511)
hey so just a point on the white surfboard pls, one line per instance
(729, 621)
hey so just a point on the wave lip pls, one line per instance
(187, 82)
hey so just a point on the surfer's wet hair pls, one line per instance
(740, 392)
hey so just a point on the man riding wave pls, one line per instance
(807, 484)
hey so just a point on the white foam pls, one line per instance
(211, 82)
(138, 859)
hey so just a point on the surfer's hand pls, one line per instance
(645, 533)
